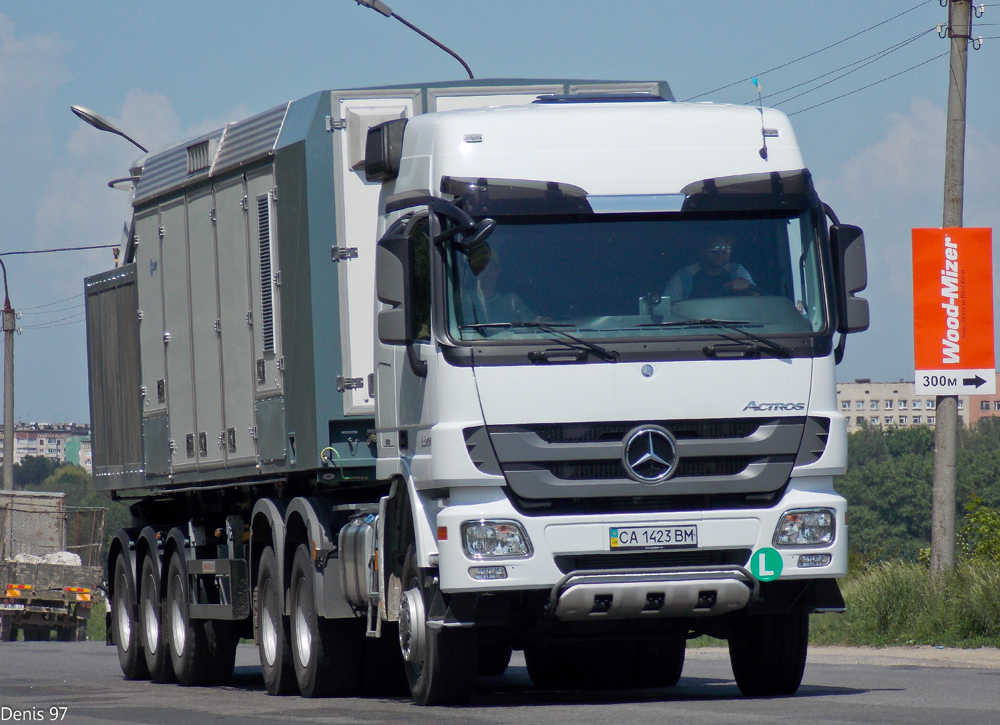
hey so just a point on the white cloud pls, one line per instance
(76, 208)
(31, 69)
(889, 188)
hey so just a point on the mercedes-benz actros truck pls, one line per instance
(398, 380)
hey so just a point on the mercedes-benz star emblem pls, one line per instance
(650, 454)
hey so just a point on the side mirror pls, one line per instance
(851, 270)
(393, 265)
(384, 150)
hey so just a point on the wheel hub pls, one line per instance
(412, 626)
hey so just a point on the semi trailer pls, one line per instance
(398, 380)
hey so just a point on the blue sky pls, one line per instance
(165, 71)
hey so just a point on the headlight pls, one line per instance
(495, 540)
(805, 528)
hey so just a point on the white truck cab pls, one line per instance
(606, 353)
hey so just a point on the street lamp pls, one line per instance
(381, 7)
(103, 124)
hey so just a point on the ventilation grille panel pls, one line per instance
(266, 299)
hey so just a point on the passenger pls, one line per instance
(490, 301)
(713, 276)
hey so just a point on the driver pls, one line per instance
(713, 275)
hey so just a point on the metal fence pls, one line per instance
(29, 530)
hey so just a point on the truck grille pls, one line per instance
(715, 457)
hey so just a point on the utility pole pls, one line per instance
(946, 425)
(9, 325)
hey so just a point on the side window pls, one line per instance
(420, 237)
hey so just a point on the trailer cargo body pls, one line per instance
(436, 365)
(50, 566)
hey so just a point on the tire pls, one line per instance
(81, 630)
(35, 634)
(221, 640)
(768, 653)
(6, 629)
(187, 640)
(273, 639)
(494, 659)
(658, 663)
(553, 667)
(581, 666)
(327, 654)
(125, 628)
(442, 668)
(151, 624)
(385, 675)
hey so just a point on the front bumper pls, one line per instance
(581, 545)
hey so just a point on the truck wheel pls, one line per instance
(150, 625)
(384, 672)
(221, 640)
(494, 659)
(81, 630)
(768, 653)
(273, 639)
(6, 629)
(124, 628)
(658, 663)
(326, 653)
(187, 640)
(556, 667)
(441, 663)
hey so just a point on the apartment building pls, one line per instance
(44, 439)
(891, 404)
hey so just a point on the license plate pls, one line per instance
(654, 537)
(11, 607)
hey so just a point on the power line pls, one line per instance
(50, 312)
(876, 56)
(863, 64)
(57, 323)
(883, 80)
(809, 55)
(49, 304)
(61, 249)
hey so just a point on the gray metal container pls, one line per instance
(236, 341)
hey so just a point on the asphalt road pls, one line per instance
(840, 686)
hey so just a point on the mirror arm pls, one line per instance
(418, 366)
(838, 353)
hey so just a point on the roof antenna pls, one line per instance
(760, 107)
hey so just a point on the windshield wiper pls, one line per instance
(602, 352)
(733, 325)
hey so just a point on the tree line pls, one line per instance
(888, 488)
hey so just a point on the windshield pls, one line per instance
(639, 276)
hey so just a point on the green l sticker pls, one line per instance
(766, 564)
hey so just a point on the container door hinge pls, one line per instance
(274, 193)
(211, 214)
(281, 364)
(138, 313)
(142, 391)
(349, 383)
(173, 446)
(162, 232)
(218, 326)
(253, 432)
(243, 203)
(338, 254)
(250, 317)
(335, 124)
